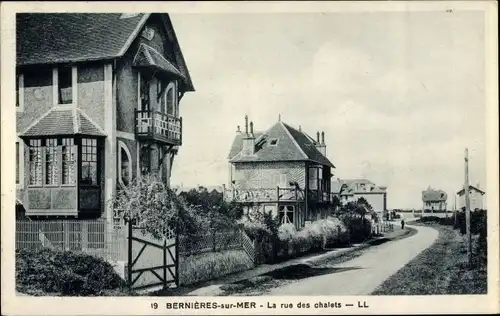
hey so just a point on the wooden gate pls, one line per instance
(152, 263)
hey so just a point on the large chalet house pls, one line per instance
(350, 190)
(97, 105)
(282, 170)
(434, 200)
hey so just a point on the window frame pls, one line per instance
(171, 86)
(55, 162)
(19, 91)
(124, 147)
(285, 209)
(55, 86)
(81, 161)
(20, 163)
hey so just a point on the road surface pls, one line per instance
(365, 272)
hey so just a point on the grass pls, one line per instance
(210, 265)
(440, 269)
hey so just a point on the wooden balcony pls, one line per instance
(319, 196)
(273, 195)
(154, 125)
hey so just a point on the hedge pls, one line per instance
(56, 272)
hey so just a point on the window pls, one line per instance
(68, 161)
(286, 214)
(51, 171)
(144, 92)
(17, 163)
(65, 85)
(35, 162)
(89, 162)
(283, 180)
(125, 161)
(19, 91)
(313, 178)
(145, 160)
(170, 99)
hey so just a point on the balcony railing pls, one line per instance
(158, 126)
(265, 195)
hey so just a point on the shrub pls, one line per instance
(46, 271)
(286, 232)
(211, 265)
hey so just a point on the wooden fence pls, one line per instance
(89, 236)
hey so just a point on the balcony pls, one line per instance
(154, 125)
(320, 196)
(273, 195)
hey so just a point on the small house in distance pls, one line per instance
(475, 198)
(434, 200)
(281, 170)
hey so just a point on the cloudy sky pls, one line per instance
(399, 95)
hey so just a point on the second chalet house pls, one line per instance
(281, 170)
(475, 198)
(434, 200)
(97, 104)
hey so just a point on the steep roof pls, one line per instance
(471, 187)
(59, 121)
(49, 38)
(292, 145)
(350, 186)
(432, 195)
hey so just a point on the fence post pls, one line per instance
(129, 256)
(164, 263)
(66, 235)
(85, 235)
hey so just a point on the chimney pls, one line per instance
(238, 129)
(248, 140)
(321, 144)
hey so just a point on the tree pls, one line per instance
(152, 206)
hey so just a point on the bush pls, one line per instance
(211, 265)
(46, 272)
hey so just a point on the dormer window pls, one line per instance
(19, 91)
(65, 85)
(273, 142)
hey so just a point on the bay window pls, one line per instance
(54, 161)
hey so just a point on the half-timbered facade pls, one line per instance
(97, 105)
(281, 170)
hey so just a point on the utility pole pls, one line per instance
(467, 208)
(455, 208)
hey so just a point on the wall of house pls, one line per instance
(126, 81)
(91, 91)
(268, 174)
(435, 205)
(475, 199)
(37, 94)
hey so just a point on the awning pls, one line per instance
(149, 57)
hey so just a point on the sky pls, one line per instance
(399, 95)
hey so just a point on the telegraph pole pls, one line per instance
(467, 207)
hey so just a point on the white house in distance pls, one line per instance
(475, 198)
(434, 200)
(350, 190)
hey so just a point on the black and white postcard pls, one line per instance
(249, 158)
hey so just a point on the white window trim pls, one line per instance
(20, 80)
(74, 87)
(122, 145)
(138, 90)
(20, 185)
